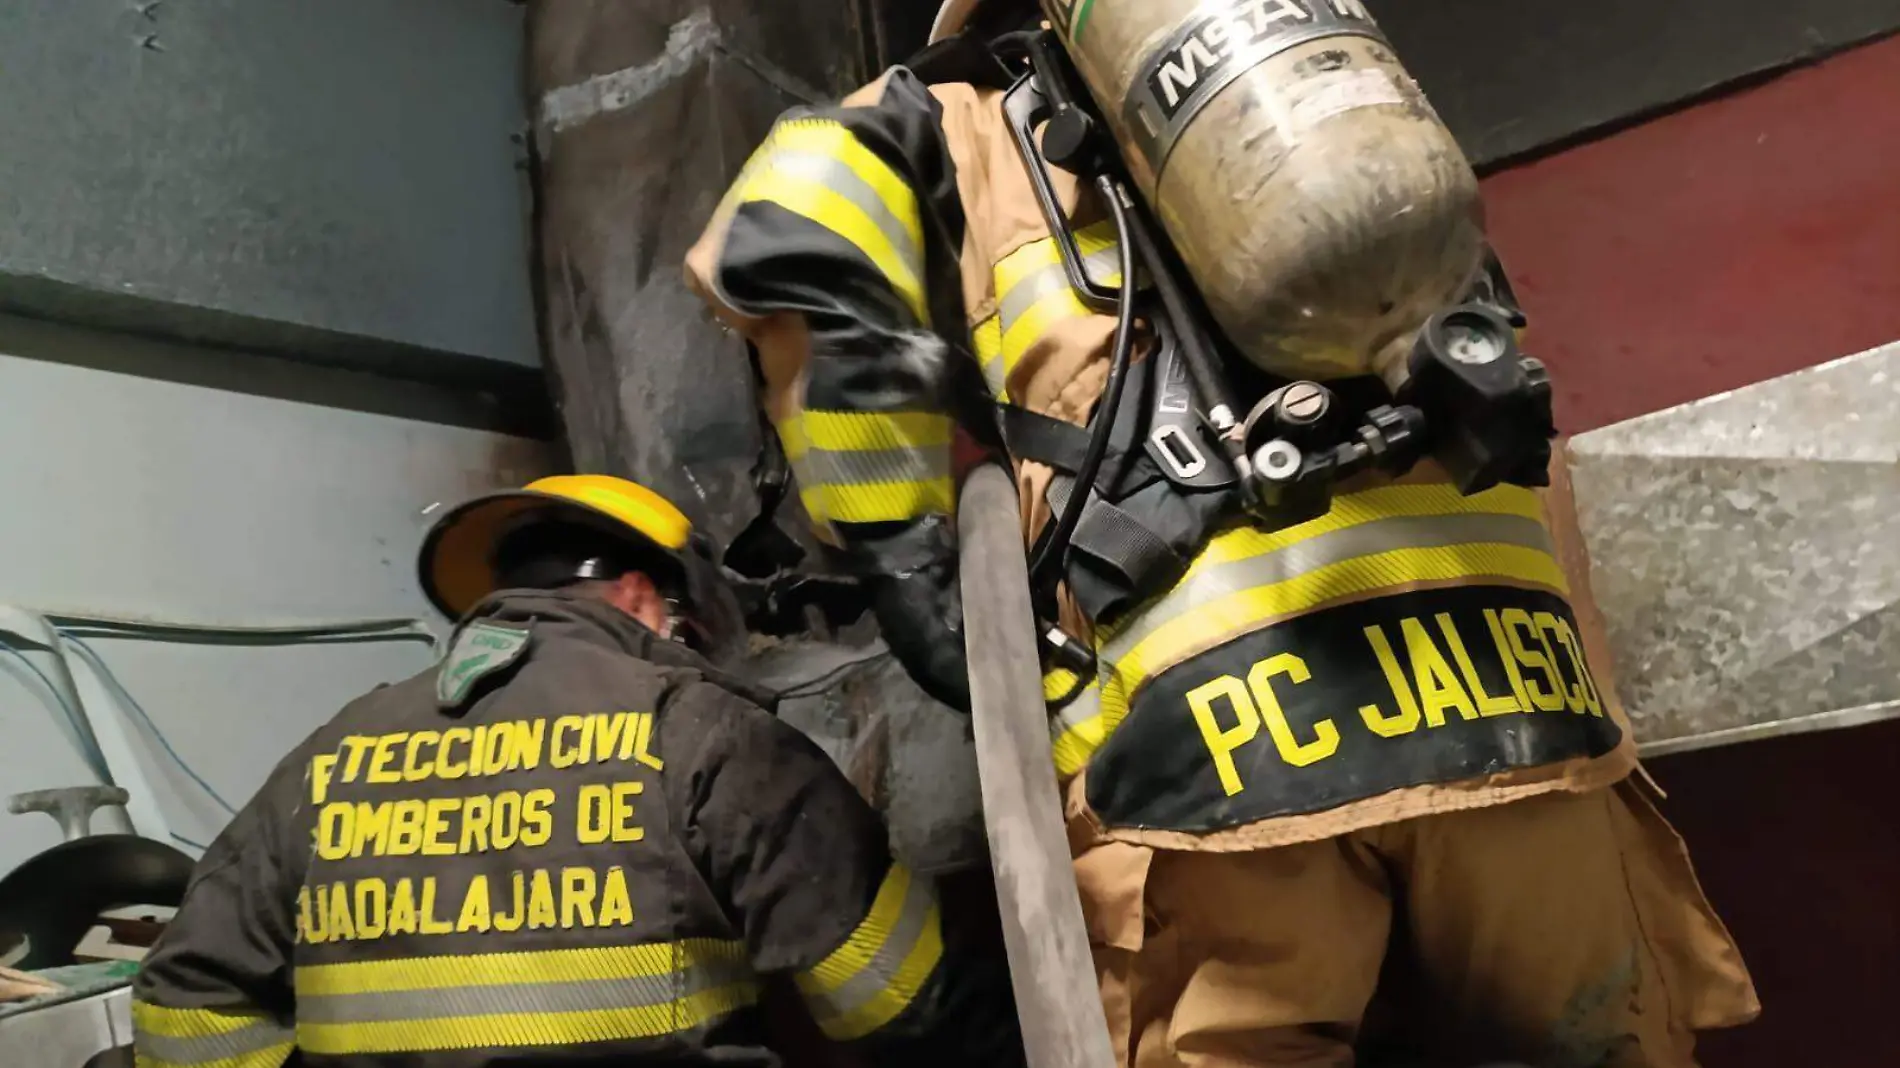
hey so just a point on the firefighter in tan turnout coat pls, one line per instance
(1360, 780)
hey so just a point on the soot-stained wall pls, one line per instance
(644, 114)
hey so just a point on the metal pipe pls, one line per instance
(103, 737)
(1049, 962)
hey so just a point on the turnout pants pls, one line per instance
(1565, 931)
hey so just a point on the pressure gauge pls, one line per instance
(1474, 340)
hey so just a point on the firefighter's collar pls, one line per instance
(481, 648)
(593, 620)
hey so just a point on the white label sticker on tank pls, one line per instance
(1313, 101)
(1217, 43)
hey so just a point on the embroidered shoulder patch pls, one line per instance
(479, 650)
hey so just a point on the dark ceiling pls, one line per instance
(1514, 78)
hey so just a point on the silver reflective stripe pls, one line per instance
(1324, 550)
(856, 992)
(1102, 267)
(1086, 706)
(841, 179)
(579, 995)
(251, 1038)
(996, 373)
(986, 341)
(847, 467)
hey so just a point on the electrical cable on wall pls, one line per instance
(131, 704)
(63, 634)
(88, 747)
(343, 632)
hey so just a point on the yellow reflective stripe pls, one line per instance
(1254, 609)
(861, 946)
(842, 470)
(905, 466)
(791, 434)
(1078, 731)
(1365, 506)
(1103, 267)
(550, 997)
(841, 217)
(871, 978)
(1034, 293)
(1024, 262)
(830, 140)
(1207, 584)
(503, 969)
(1251, 609)
(1057, 683)
(516, 1029)
(1075, 729)
(781, 173)
(1073, 748)
(869, 467)
(191, 1023)
(913, 972)
(871, 448)
(877, 502)
(269, 1057)
(988, 338)
(207, 1038)
(1245, 580)
(1095, 239)
(1020, 336)
(866, 431)
(1012, 269)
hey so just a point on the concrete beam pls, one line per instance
(340, 182)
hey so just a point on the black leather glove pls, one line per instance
(911, 577)
(921, 615)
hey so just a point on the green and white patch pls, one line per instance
(479, 650)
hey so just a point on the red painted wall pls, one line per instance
(1712, 248)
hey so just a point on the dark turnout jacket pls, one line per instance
(572, 843)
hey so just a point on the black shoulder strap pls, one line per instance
(1033, 436)
(1135, 556)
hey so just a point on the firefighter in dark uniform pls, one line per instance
(573, 842)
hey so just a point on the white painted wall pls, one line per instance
(128, 495)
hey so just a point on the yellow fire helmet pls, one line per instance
(457, 561)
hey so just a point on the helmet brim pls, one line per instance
(456, 565)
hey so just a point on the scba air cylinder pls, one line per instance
(1320, 204)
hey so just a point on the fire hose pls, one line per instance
(1054, 976)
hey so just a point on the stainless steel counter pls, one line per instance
(1745, 551)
